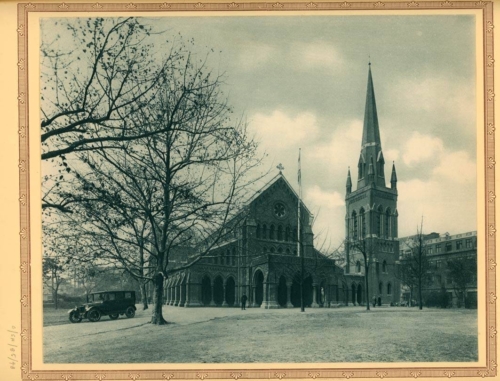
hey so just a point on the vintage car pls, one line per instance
(111, 303)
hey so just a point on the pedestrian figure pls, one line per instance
(374, 301)
(243, 301)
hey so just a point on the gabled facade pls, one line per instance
(259, 258)
(371, 221)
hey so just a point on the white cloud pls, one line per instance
(317, 54)
(421, 148)
(279, 130)
(457, 167)
(320, 198)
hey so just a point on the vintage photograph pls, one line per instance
(259, 188)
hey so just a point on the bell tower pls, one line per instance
(371, 212)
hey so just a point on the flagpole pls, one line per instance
(300, 252)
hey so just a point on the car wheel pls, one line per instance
(75, 317)
(94, 315)
(113, 316)
(130, 312)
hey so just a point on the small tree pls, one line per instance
(462, 271)
(366, 248)
(53, 276)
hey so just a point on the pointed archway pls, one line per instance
(282, 292)
(206, 290)
(258, 281)
(230, 291)
(218, 290)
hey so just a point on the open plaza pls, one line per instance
(258, 335)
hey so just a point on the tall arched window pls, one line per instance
(258, 231)
(358, 266)
(354, 220)
(233, 257)
(287, 233)
(384, 266)
(380, 216)
(264, 231)
(294, 235)
(388, 222)
(363, 223)
(271, 232)
(380, 286)
(389, 289)
(280, 233)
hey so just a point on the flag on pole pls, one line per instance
(299, 174)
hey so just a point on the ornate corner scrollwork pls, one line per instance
(63, 6)
(345, 4)
(311, 5)
(278, 5)
(489, 27)
(480, 3)
(20, 64)
(30, 6)
(492, 230)
(66, 377)
(491, 60)
(381, 374)
(131, 6)
(168, 376)
(24, 334)
(199, 5)
(22, 132)
(134, 376)
(24, 301)
(20, 98)
(493, 331)
(165, 6)
(20, 30)
(447, 3)
(236, 375)
(415, 374)
(233, 5)
(97, 6)
(347, 375)
(24, 267)
(413, 4)
(24, 368)
(201, 376)
(313, 375)
(491, 95)
(22, 233)
(449, 374)
(100, 377)
(279, 375)
(379, 4)
(491, 128)
(483, 373)
(493, 365)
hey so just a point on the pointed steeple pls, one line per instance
(348, 184)
(371, 172)
(394, 178)
(371, 134)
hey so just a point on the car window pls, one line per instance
(120, 296)
(111, 297)
(128, 295)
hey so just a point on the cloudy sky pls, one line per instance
(301, 83)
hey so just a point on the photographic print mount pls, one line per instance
(228, 371)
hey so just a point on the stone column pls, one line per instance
(314, 303)
(212, 289)
(172, 295)
(289, 295)
(182, 297)
(272, 295)
(254, 299)
(177, 295)
(193, 292)
(224, 302)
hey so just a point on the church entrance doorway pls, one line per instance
(353, 294)
(218, 290)
(295, 292)
(360, 294)
(308, 291)
(282, 292)
(206, 291)
(230, 291)
(259, 287)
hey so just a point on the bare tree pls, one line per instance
(414, 268)
(462, 271)
(170, 190)
(366, 248)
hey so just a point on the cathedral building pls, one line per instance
(261, 255)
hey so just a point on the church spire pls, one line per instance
(394, 178)
(371, 134)
(348, 184)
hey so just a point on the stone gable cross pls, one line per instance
(280, 167)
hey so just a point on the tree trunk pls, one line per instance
(366, 286)
(420, 304)
(157, 317)
(144, 296)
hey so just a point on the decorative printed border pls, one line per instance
(28, 373)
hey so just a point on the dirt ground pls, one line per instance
(229, 335)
